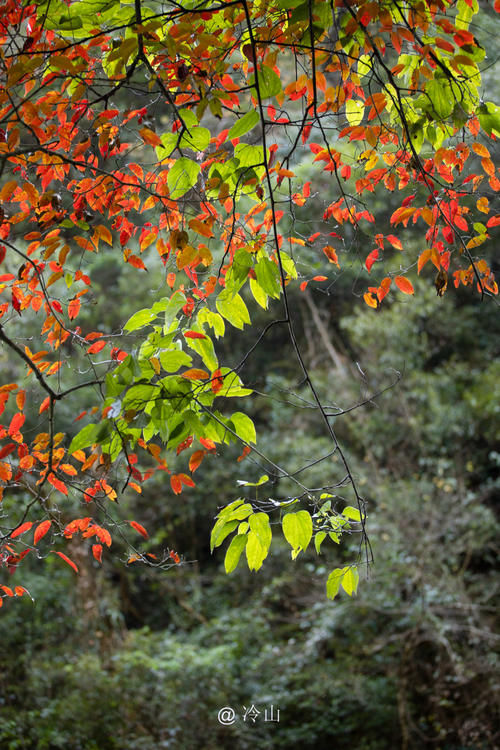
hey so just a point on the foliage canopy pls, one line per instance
(175, 135)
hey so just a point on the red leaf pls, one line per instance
(66, 560)
(395, 242)
(140, 529)
(176, 484)
(208, 444)
(404, 285)
(370, 260)
(217, 381)
(246, 451)
(194, 335)
(21, 529)
(177, 480)
(175, 557)
(97, 552)
(41, 530)
(16, 423)
(96, 347)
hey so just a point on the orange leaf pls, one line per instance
(196, 460)
(20, 400)
(488, 166)
(140, 529)
(150, 137)
(480, 150)
(97, 552)
(201, 227)
(5, 471)
(331, 254)
(136, 262)
(44, 405)
(16, 423)
(195, 374)
(41, 530)
(423, 258)
(66, 560)
(404, 285)
(73, 308)
(21, 529)
(55, 482)
(177, 480)
(384, 287)
(371, 299)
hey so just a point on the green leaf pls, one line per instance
(440, 95)
(205, 348)
(259, 524)
(268, 276)
(197, 139)
(244, 125)
(220, 531)
(89, 435)
(259, 294)
(182, 176)
(489, 118)
(333, 582)
(234, 551)
(352, 513)
(233, 309)
(176, 301)
(171, 361)
(269, 82)
(347, 577)
(256, 552)
(243, 427)
(318, 538)
(232, 385)
(249, 156)
(297, 528)
(239, 513)
(350, 580)
(213, 319)
(354, 111)
(243, 482)
(139, 319)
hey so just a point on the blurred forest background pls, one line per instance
(129, 658)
